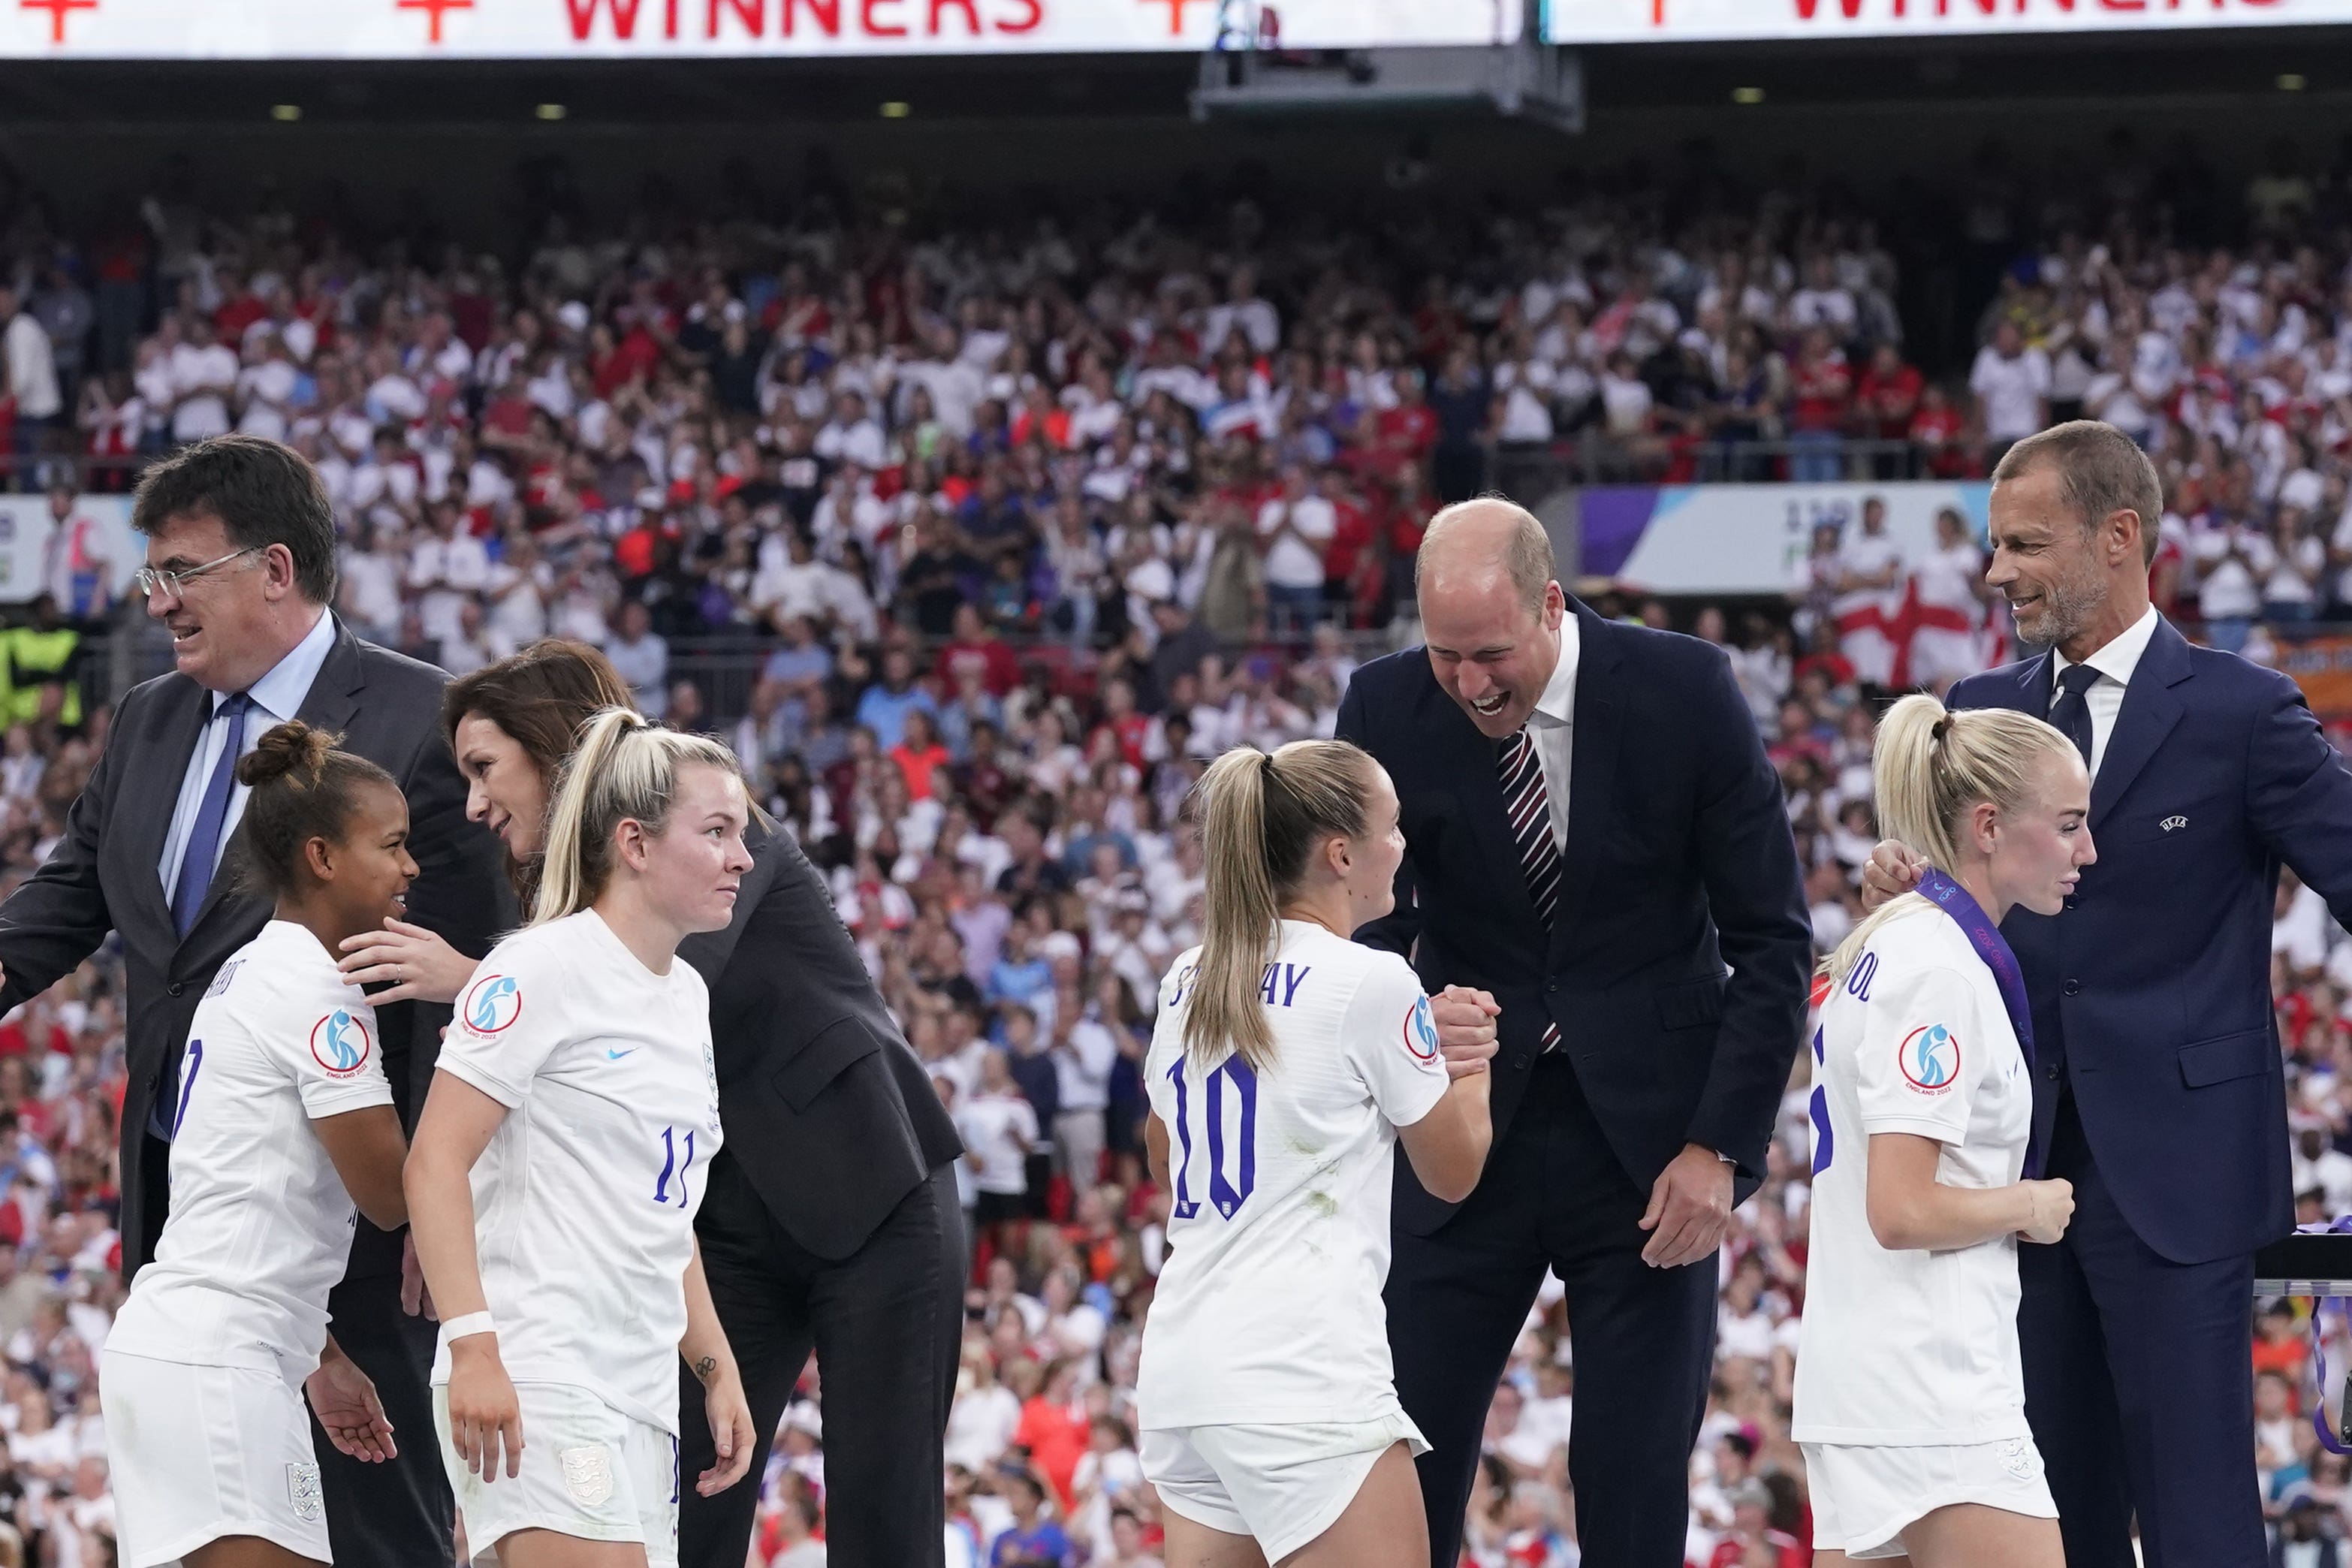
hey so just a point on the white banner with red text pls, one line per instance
(1692, 21)
(672, 29)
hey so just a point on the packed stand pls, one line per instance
(1012, 530)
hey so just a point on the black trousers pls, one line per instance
(397, 1514)
(887, 1323)
(2138, 1386)
(1645, 1338)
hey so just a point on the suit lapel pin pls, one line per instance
(2169, 823)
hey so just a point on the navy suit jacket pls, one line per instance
(1679, 862)
(2151, 995)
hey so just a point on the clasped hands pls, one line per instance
(1690, 1203)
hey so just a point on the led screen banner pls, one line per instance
(673, 29)
(1694, 21)
(1748, 539)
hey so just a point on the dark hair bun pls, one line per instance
(291, 751)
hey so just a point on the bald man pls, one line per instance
(1601, 888)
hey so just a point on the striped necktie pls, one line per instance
(1528, 806)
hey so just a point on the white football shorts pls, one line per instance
(1865, 1498)
(197, 1453)
(1283, 1484)
(588, 1470)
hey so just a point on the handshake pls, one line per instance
(1465, 1029)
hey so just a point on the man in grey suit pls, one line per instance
(241, 570)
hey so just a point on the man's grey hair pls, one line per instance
(2101, 471)
(1526, 558)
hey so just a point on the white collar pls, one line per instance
(2119, 657)
(1556, 706)
(280, 692)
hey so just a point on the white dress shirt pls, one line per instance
(1552, 728)
(2114, 664)
(277, 697)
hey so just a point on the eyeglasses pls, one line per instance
(147, 579)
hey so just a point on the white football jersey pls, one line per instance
(585, 1200)
(1268, 1309)
(1912, 1347)
(261, 1225)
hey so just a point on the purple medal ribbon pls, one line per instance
(1993, 949)
(2328, 1440)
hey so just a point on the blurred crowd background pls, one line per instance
(978, 538)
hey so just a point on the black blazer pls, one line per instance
(1679, 862)
(828, 1109)
(101, 876)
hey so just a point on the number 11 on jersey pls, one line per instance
(1232, 1171)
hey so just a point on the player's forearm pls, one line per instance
(1911, 1211)
(441, 1222)
(704, 1347)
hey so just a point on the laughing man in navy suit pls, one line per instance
(1597, 850)
(2161, 1094)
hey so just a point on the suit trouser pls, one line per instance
(2139, 1385)
(887, 1323)
(1554, 1195)
(397, 1514)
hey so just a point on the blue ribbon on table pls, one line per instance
(1993, 950)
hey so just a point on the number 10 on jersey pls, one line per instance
(1228, 1137)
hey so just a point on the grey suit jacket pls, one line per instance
(101, 876)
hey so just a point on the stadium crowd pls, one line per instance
(1019, 525)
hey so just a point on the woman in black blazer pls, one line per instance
(831, 1220)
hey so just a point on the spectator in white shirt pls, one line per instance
(998, 1129)
(447, 567)
(2233, 559)
(203, 374)
(33, 384)
(2011, 383)
(1084, 1052)
(2319, 1164)
(640, 655)
(852, 435)
(1292, 530)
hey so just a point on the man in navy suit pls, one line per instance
(2161, 1094)
(1592, 835)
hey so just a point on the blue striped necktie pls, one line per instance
(1528, 805)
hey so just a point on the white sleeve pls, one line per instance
(1392, 1042)
(329, 1047)
(1923, 1049)
(508, 1021)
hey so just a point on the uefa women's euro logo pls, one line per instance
(1930, 1058)
(491, 1004)
(1421, 1032)
(338, 1043)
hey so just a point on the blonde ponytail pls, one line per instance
(1261, 816)
(625, 768)
(1930, 768)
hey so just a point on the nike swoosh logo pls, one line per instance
(613, 1056)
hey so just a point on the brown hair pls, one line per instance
(542, 697)
(302, 789)
(2101, 471)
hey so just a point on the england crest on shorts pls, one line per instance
(302, 1491)
(588, 1474)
